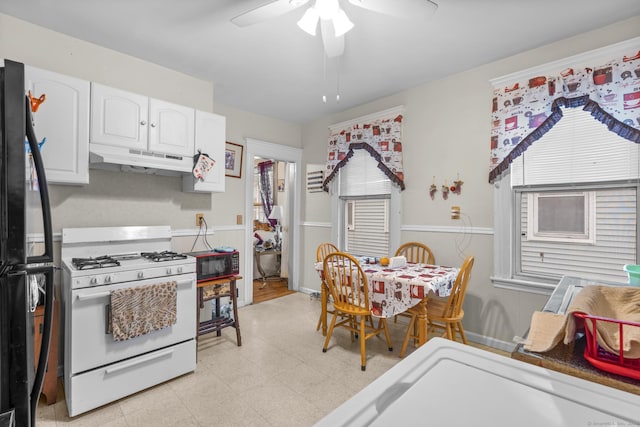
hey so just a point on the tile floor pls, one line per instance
(279, 377)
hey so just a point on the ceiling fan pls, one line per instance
(334, 22)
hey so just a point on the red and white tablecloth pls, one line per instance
(395, 290)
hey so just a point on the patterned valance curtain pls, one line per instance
(265, 170)
(524, 111)
(381, 138)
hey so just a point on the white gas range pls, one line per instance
(96, 262)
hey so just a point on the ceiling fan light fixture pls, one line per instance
(327, 9)
(309, 21)
(342, 24)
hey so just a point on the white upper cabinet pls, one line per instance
(210, 140)
(63, 119)
(170, 128)
(119, 118)
(143, 125)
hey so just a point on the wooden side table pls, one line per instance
(216, 289)
(258, 254)
(50, 383)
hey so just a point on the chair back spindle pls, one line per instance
(453, 307)
(325, 249)
(416, 252)
(346, 281)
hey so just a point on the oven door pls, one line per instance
(94, 345)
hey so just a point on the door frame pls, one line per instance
(285, 153)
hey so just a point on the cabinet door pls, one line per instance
(118, 118)
(63, 118)
(170, 128)
(210, 139)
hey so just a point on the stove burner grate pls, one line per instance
(163, 256)
(103, 261)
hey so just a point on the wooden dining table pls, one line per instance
(394, 290)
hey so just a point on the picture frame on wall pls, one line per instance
(233, 159)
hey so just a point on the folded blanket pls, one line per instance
(138, 311)
(614, 302)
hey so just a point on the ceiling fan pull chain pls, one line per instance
(324, 75)
(338, 80)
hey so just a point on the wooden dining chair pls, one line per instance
(416, 252)
(444, 313)
(350, 291)
(322, 251)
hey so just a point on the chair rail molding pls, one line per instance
(446, 229)
(316, 224)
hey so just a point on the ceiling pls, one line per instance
(277, 70)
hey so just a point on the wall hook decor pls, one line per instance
(433, 189)
(35, 102)
(445, 190)
(457, 185)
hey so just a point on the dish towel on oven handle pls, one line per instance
(143, 309)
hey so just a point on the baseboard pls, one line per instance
(309, 291)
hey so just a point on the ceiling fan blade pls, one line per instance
(267, 11)
(408, 9)
(333, 46)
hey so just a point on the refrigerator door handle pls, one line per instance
(47, 255)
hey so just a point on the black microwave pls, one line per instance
(216, 265)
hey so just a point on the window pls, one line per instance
(368, 230)
(561, 217)
(364, 198)
(568, 207)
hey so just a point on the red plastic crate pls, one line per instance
(603, 359)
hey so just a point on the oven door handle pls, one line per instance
(85, 297)
(145, 359)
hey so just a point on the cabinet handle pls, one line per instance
(153, 125)
(144, 122)
(138, 362)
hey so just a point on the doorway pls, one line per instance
(270, 229)
(289, 159)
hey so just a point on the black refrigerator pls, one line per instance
(26, 279)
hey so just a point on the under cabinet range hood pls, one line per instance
(133, 131)
(131, 160)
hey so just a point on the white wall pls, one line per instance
(446, 131)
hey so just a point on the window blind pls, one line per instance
(361, 177)
(578, 149)
(369, 234)
(366, 189)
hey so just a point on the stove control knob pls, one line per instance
(179, 269)
(107, 279)
(93, 281)
(140, 275)
(169, 271)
